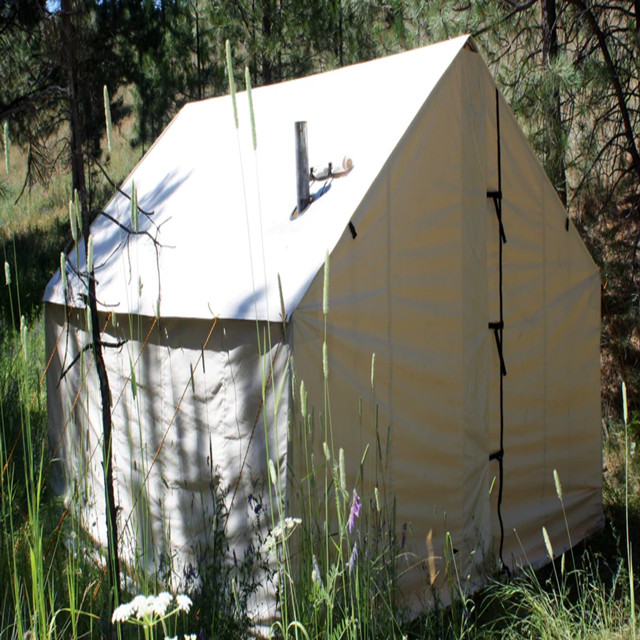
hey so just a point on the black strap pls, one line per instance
(498, 331)
(497, 201)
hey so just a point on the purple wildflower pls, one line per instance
(316, 576)
(355, 511)
(352, 560)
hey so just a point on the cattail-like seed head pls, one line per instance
(327, 453)
(6, 144)
(107, 115)
(325, 288)
(373, 369)
(7, 273)
(23, 338)
(303, 400)
(624, 403)
(325, 361)
(343, 471)
(247, 79)
(72, 221)
(134, 208)
(90, 254)
(547, 542)
(272, 468)
(377, 496)
(556, 479)
(232, 83)
(134, 384)
(76, 208)
(63, 272)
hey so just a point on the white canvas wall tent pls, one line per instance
(452, 260)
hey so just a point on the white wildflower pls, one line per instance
(183, 602)
(159, 603)
(171, 638)
(281, 532)
(140, 608)
(190, 636)
(123, 612)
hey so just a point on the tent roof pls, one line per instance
(222, 212)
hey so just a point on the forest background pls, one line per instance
(568, 68)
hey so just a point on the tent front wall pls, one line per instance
(418, 288)
(189, 439)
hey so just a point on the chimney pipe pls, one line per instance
(302, 166)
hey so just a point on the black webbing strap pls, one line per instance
(497, 201)
(497, 332)
(498, 329)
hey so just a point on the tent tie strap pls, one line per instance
(496, 196)
(498, 328)
(497, 332)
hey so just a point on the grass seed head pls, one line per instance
(63, 272)
(547, 542)
(343, 471)
(76, 210)
(325, 288)
(325, 361)
(373, 369)
(247, 79)
(90, 254)
(6, 144)
(232, 83)
(107, 115)
(134, 208)
(72, 221)
(556, 479)
(303, 400)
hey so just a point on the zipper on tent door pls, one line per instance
(498, 330)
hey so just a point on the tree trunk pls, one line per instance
(555, 156)
(267, 29)
(198, 56)
(623, 108)
(79, 185)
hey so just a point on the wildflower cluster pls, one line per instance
(149, 611)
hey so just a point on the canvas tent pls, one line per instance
(420, 275)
